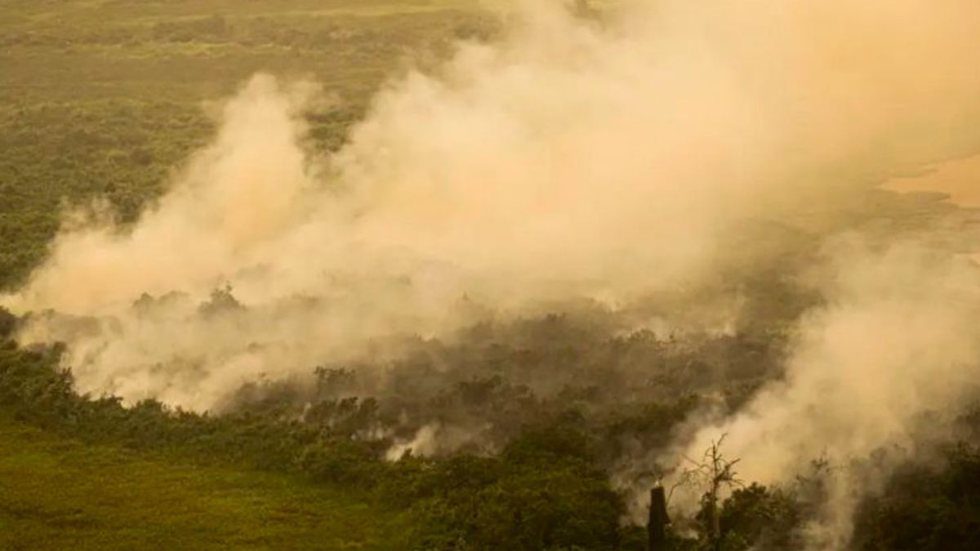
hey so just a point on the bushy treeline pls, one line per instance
(544, 485)
(543, 491)
(927, 506)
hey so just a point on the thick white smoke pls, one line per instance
(892, 344)
(571, 158)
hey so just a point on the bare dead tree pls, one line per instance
(713, 472)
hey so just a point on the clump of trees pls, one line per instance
(543, 484)
(545, 490)
(926, 506)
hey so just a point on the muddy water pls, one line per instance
(960, 179)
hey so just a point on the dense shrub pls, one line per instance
(543, 491)
(926, 507)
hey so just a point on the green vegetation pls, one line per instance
(547, 488)
(543, 492)
(927, 508)
(59, 493)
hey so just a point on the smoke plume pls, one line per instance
(888, 352)
(607, 158)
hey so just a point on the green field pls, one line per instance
(58, 493)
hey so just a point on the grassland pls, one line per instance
(57, 493)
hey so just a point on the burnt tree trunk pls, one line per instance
(657, 525)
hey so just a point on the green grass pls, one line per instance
(57, 493)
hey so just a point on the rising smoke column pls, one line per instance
(892, 345)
